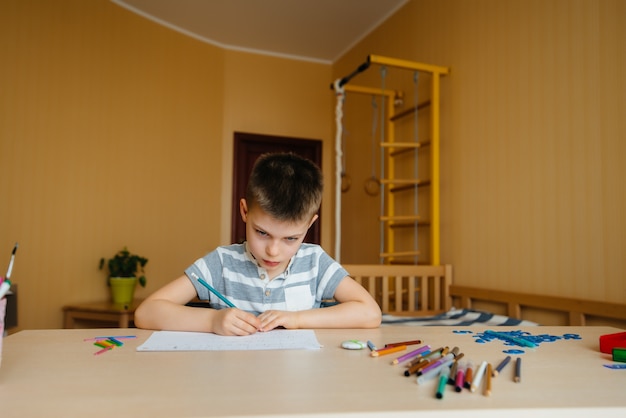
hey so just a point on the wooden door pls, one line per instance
(247, 148)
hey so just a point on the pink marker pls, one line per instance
(460, 378)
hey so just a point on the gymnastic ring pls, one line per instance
(372, 186)
(346, 182)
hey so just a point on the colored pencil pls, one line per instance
(413, 342)
(415, 366)
(447, 358)
(215, 292)
(518, 370)
(487, 391)
(411, 354)
(106, 337)
(388, 350)
(427, 360)
(501, 366)
(424, 355)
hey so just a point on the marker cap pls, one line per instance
(610, 341)
(619, 354)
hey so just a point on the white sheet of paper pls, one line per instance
(201, 341)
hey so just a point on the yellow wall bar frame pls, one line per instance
(436, 72)
(408, 65)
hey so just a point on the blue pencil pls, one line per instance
(215, 292)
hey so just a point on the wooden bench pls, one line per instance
(412, 290)
(577, 310)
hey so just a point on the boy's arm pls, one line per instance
(356, 309)
(165, 310)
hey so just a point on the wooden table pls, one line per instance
(55, 373)
(119, 315)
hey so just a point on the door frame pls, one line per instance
(247, 147)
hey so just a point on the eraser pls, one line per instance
(610, 341)
(619, 354)
(353, 345)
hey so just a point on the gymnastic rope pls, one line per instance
(339, 93)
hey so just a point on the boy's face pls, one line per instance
(272, 242)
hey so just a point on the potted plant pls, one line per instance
(125, 270)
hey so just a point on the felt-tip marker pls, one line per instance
(443, 379)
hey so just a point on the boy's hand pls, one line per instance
(234, 321)
(274, 319)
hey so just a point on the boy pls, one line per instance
(273, 279)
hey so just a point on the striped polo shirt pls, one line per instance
(311, 276)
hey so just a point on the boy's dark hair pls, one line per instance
(286, 186)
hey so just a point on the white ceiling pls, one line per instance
(312, 30)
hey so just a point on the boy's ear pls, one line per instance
(313, 219)
(243, 210)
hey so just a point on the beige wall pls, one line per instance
(275, 96)
(533, 143)
(117, 131)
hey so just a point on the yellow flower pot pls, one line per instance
(123, 289)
